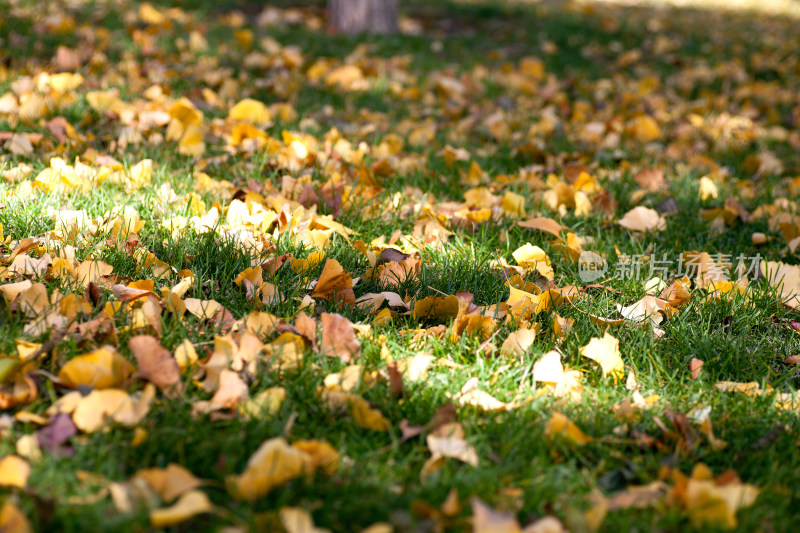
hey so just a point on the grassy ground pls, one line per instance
(533, 95)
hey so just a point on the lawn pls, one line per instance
(521, 267)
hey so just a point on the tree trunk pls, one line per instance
(359, 16)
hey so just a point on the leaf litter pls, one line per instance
(110, 319)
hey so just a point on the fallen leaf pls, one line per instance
(101, 369)
(334, 284)
(296, 520)
(436, 307)
(643, 219)
(273, 464)
(189, 505)
(518, 342)
(695, 365)
(605, 351)
(487, 520)
(338, 337)
(169, 482)
(14, 471)
(543, 224)
(786, 278)
(560, 425)
(155, 362)
(99, 407)
(12, 519)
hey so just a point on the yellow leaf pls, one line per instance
(297, 520)
(563, 426)
(101, 369)
(513, 204)
(202, 309)
(645, 129)
(437, 307)
(710, 503)
(518, 342)
(321, 455)
(708, 189)
(185, 355)
(191, 142)
(532, 257)
(249, 110)
(12, 520)
(273, 464)
(186, 113)
(189, 505)
(786, 278)
(605, 351)
(169, 482)
(265, 404)
(366, 416)
(446, 443)
(92, 271)
(93, 411)
(14, 471)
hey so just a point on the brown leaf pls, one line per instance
(339, 338)
(334, 284)
(156, 363)
(395, 380)
(651, 180)
(307, 328)
(231, 392)
(391, 255)
(543, 224)
(694, 366)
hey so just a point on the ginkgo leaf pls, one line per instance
(191, 142)
(156, 363)
(487, 520)
(786, 278)
(645, 129)
(249, 110)
(518, 342)
(643, 219)
(338, 337)
(605, 351)
(189, 505)
(170, 482)
(543, 224)
(366, 416)
(296, 520)
(438, 307)
(98, 408)
(13, 520)
(560, 425)
(471, 395)
(708, 189)
(276, 463)
(334, 284)
(14, 471)
(101, 369)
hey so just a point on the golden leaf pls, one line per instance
(605, 351)
(564, 427)
(14, 471)
(191, 504)
(101, 369)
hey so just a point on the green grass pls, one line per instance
(521, 468)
